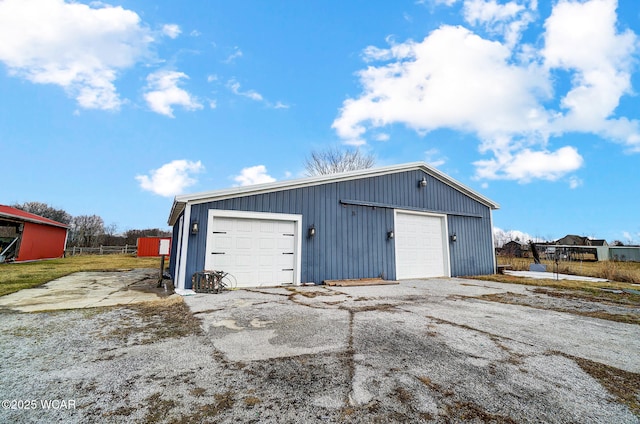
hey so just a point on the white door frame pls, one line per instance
(297, 219)
(445, 237)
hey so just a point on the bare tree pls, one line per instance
(132, 236)
(86, 230)
(109, 237)
(334, 160)
(46, 211)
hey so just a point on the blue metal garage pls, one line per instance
(396, 222)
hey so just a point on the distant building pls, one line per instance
(513, 249)
(28, 237)
(572, 240)
(598, 242)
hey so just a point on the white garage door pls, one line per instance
(420, 248)
(256, 252)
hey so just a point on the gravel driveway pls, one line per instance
(438, 350)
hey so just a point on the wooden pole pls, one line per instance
(160, 278)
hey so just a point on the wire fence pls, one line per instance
(102, 250)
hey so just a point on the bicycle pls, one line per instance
(212, 281)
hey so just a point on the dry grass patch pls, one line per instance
(469, 411)
(624, 385)
(632, 317)
(157, 408)
(623, 272)
(251, 401)
(587, 290)
(18, 276)
(155, 320)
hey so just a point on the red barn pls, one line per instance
(28, 237)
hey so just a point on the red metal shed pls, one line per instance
(152, 246)
(28, 237)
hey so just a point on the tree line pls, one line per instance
(89, 230)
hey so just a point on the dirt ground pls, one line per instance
(438, 350)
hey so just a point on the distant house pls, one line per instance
(598, 242)
(573, 240)
(513, 249)
(28, 237)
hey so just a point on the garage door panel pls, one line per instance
(256, 251)
(420, 249)
(267, 243)
(244, 243)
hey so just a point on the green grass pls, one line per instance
(14, 277)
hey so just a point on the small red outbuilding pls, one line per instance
(28, 237)
(154, 246)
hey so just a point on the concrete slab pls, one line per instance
(87, 290)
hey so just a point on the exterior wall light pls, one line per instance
(422, 182)
(390, 234)
(454, 237)
(194, 227)
(312, 231)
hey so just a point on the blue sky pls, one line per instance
(112, 108)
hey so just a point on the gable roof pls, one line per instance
(181, 201)
(20, 215)
(571, 239)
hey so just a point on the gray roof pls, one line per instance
(180, 202)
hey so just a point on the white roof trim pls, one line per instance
(203, 197)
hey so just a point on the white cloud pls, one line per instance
(527, 165)
(171, 30)
(162, 93)
(582, 38)
(280, 105)
(233, 56)
(445, 2)
(212, 78)
(500, 90)
(507, 20)
(234, 86)
(504, 236)
(171, 178)
(253, 175)
(434, 158)
(574, 182)
(382, 137)
(76, 46)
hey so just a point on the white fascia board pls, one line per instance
(184, 249)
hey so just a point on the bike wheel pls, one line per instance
(229, 281)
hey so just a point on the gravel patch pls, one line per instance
(422, 351)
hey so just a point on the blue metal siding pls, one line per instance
(351, 239)
(472, 252)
